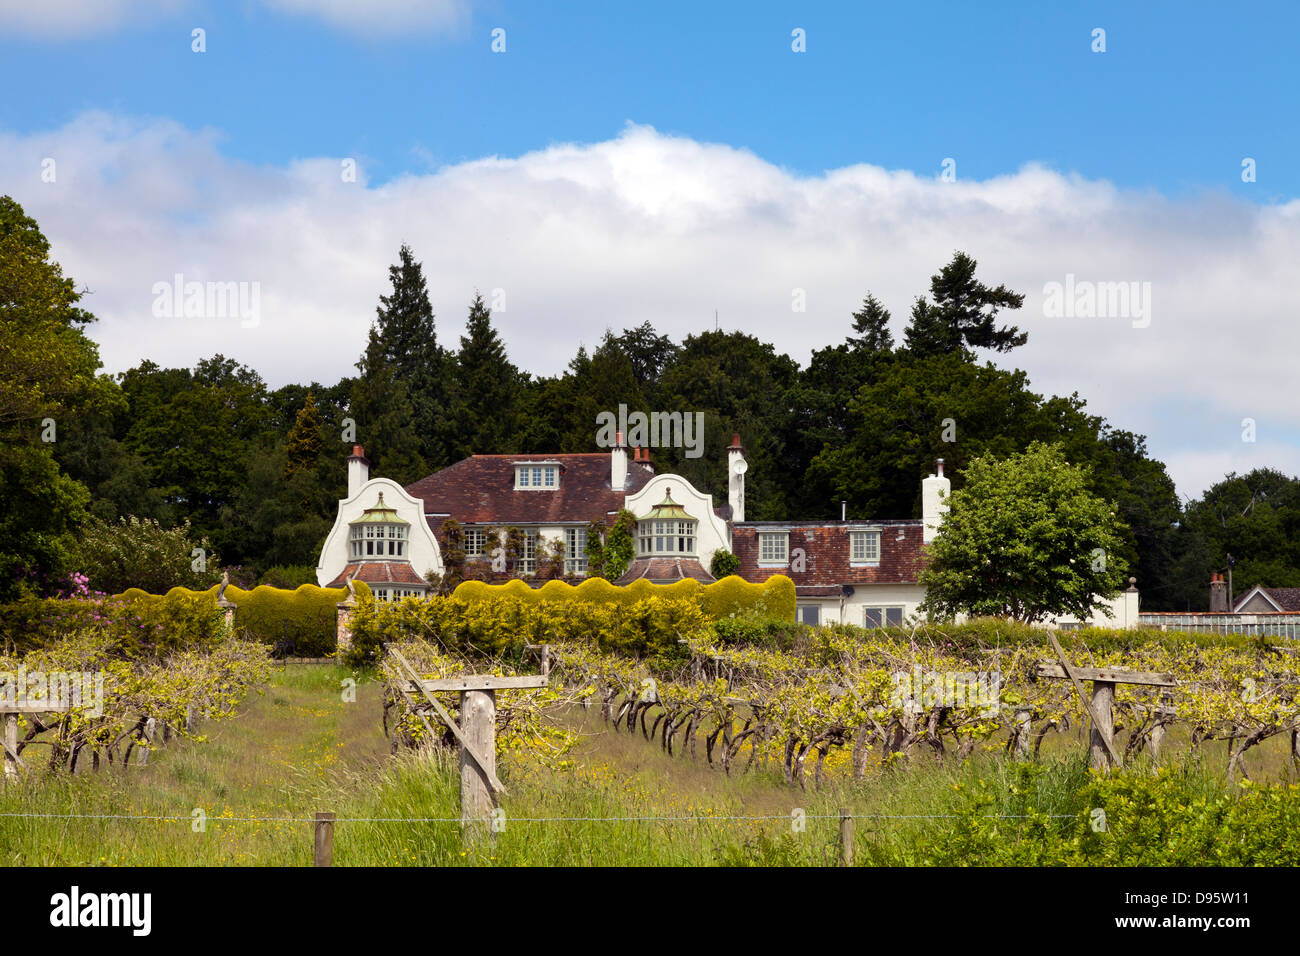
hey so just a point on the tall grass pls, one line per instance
(299, 748)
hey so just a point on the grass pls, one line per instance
(298, 747)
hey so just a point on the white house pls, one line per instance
(856, 571)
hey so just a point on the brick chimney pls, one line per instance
(358, 470)
(1218, 595)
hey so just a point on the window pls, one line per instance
(667, 529)
(475, 542)
(773, 547)
(865, 547)
(528, 553)
(575, 550)
(883, 617)
(666, 537)
(537, 477)
(809, 614)
(377, 541)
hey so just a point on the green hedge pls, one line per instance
(731, 597)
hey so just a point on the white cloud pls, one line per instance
(653, 227)
(381, 16)
(62, 19)
(66, 19)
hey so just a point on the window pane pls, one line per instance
(873, 617)
(894, 616)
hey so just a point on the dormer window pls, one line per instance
(667, 530)
(865, 547)
(379, 534)
(544, 476)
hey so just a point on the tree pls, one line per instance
(140, 553)
(871, 322)
(487, 390)
(1024, 539)
(48, 379)
(1254, 517)
(963, 313)
(404, 326)
(304, 439)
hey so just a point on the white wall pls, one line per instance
(422, 547)
(712, 533)
(851, 610)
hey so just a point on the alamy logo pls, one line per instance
(1084, 299)
(179, 299)
(975, 690)
(59, 690)
(656, 430)
(134, 910)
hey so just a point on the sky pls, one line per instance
(1132, 168)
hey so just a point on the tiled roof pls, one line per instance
(1288, 599)
(378, 572)
(826, 552)
(665, 570)
(481, 490)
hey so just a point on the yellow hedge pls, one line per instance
(303, 621)
(730, 597)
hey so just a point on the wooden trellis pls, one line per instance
(476, 731)
(10, 710)
(1101, 704)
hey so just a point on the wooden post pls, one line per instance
(478, 721)
(1024, 721)
(11, 744)
(1101, 739)
(1157, 739)
(324, 839)
(150, 730)
(846, 836)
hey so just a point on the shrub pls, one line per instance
(298, 623)
(288, 576)
(140, 553)
(724, 564)
(731, 597)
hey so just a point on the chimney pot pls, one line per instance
(938, 467)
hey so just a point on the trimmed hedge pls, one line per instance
(732, 597)
(298, 623)
(502, 626)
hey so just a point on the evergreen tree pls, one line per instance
(403, 356)
(488, 389)
(304, 439)
(962, 314)
(871, 322)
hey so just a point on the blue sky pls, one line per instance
(1183, 92)
(622, 163)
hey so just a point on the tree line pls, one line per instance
(255, 473)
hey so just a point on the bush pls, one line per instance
(298, 623)
(501, 626)
(1175, 817)
(732, 597)
(140, 553)
(724, 564)
(135, 625)
(288, 576)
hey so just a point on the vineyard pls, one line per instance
(101, 685)
(740, 695)
(664, 735)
